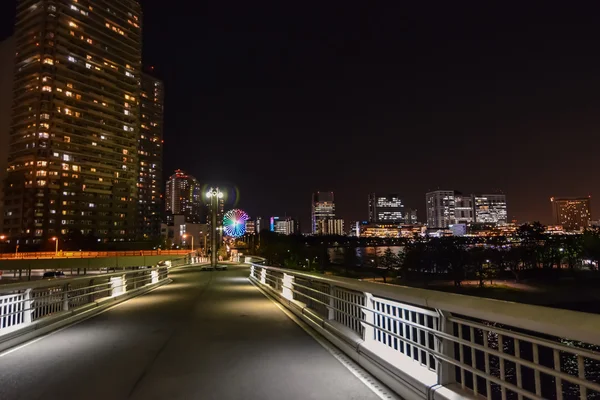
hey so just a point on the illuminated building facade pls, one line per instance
(284, 225)
(184, 197)
(573, 213)
(323, 208)
(330, 226)
(150, 153)
(490, 208)
(440, 208)
(463, 209)
(7, 55)
(73, 162)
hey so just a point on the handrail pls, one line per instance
(550, 321)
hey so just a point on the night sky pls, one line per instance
(283, 99)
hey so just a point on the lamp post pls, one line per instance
(56, 249)
(192, 236)
(214, 194)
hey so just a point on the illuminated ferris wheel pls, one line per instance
(234, 223)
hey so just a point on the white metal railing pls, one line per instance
(22, 304)
(469, 346)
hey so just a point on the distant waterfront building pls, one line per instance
(573, 213)
(323, 208)
(440, 208)
(448, 207)
(283, 225)
(150, 153)
(73, 157)
(490, 208)
(356, 227)
(250, 227)
(262, 224)
(184, 197)
(332, 226)
(7, 55)
(463, 209)
(385, 209)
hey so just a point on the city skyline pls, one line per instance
(499, 109)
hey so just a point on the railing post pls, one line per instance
(154, 274)
(331, 308)
(288, 284)
(263, 276)
(369, 318)
(28, 307)
(65, 290)
(446, 372)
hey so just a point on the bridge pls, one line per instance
(254, 331)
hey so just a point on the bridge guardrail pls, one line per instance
(90, 254)
(429, 344)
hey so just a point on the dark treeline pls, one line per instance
(530, 254)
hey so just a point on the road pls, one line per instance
(207, 335)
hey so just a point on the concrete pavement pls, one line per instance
(208, 335)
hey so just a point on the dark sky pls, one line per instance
(286, 98)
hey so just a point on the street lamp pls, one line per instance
(192, 236)
(214, 194)
(56, 240)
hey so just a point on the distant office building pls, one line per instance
(386, 209)
(463, 209)
(150, 153)
(330, 226)
(573, 213)
(355, 228)
(262, 224)
(180, 233)
(7, 57)
(490, 208)
(448, 207)
(184, 197)
(73, 156)
(323, 208)
(440, 208)
(250, 227)
(283, 225)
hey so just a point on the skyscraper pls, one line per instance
(573, 213)
(490, 208)
(7, 55)
(323, 208)
(385, 209)
(73, 163)
(184, 197)
(389, 210)
(150, 154)
(463, 209)
(440, 208)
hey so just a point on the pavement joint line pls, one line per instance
(359, 372)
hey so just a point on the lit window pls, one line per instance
(46, 88)
(94, 144)
(72, 24)
(88, 65)
(129, 74)
(48, 61)
(67, 139)
(66, 157)
(69, 94)
(72, 59)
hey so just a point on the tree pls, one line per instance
(389, 261)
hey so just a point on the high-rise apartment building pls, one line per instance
(184, 197)
(284, 225)
(73, 162)
(150, 153)
(573, 213)
(489, 208)
(7, 57)
(440, 208)
(323, 208)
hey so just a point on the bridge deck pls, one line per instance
(208, 335)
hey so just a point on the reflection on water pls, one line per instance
(336, 254)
